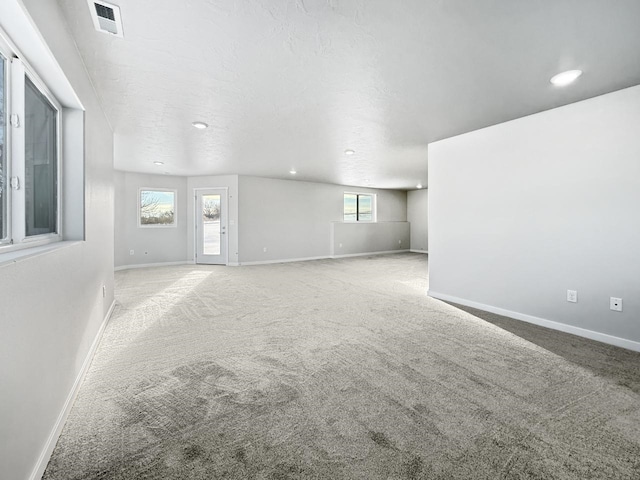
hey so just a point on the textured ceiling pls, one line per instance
(293, 83)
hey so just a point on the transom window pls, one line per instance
(359, 207)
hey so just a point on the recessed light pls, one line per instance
(158, 163)
(419, 186)
(565, 78)
(348, 151)
(200, 125)
(292, 171)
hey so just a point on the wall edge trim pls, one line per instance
(562, 327)
(418, 251)
(47, 450)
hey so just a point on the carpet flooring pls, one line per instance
(337, 369)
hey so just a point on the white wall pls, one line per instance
(522, 211)
(292, 219)
(230, 182)
(51, 305)
(417, 215)
(301, 212)
(360, 238)
(150, 245)
(119, 224)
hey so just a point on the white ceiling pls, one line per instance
(293, 83)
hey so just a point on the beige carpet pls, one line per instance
(333, 369)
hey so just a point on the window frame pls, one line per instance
(374, 207)
(16, 71)
(157, 225)
(5, 176)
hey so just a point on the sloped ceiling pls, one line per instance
(294, 83)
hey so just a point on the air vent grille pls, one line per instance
(106, 17)
(105, 12)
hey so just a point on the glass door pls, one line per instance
(211, 226)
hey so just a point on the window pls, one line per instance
(30, 168)
(359, 207)
(40, 163)
(157, 208)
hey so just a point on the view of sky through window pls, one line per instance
(157, 207)
(350, 207)
(358, 207)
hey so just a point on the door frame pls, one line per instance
(196, 220)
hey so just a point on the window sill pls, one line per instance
(16, 256)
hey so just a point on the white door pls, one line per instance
(211, 226)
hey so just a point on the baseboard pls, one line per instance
(366, 254)
(285, 260)
(45, 455)
(324, 257)
(562, 327)
(267, 262)
(145, 265)
(419, 251)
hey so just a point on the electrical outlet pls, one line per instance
(399, 242)
(615, 304)
(340, 245)
(264, 249)
(572, 296)
(131, 252)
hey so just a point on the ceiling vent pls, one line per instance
(106, 17)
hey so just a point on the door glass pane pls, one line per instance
(364, 208)
(3, 161)
(350, 204)
(41, 176)
(211, 224)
